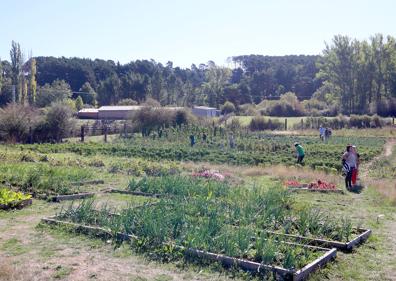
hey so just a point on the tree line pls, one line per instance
(350, 77)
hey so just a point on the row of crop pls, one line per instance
(259, 149)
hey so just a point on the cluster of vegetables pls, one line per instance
(12, 198)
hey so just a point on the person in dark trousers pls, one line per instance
(192, 140)
(300, 152)
(349, 162)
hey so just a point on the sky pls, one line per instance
(187, 31)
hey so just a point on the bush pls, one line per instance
(258, 123)
(149, 118)
(228, 107)
(56, 124)
(15, 121)
(247, 110)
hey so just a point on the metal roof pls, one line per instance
(119, 107)
(93, 110)
(205, 107)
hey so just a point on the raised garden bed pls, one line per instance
(16, 205)
(88, 182)
(60, 198)
(138, 193)
(362, 236)
(278, 272)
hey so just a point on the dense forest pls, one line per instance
(350, 77)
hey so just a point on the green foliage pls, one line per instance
(228, 107)
(259, 123)
(56, 125)
(79, 103)
(58, 91)
(15, 121)
(11, 198)
(42, 179)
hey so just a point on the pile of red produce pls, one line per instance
(320, 184)
(293, 183)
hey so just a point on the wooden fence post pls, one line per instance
(285, 124)
(302, 124)
(105, 133)
(82, 133)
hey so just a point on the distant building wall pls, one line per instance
(88, 113)
(203, 111)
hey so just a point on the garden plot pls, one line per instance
(249, 227)
(265, 256)
(270, 211)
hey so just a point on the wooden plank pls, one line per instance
(59, 198)
(343, 246)
(88, 182)
(303, 273)
(138, 193)
(360, 239)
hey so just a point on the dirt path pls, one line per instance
(387, 151)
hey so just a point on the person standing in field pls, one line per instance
(300, 152)
(322, 131)
(349, 162)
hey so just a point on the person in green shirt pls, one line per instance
(300, 152)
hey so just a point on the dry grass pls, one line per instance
(288, 172)
(387, 188)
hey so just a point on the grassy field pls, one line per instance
(32, 251)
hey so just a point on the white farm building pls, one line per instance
(204, 111)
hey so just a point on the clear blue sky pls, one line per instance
(187, 31)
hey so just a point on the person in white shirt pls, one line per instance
(349, 162)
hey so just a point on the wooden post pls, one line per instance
(105, 133)
(82, 133)
(302, 124)
(285, 124)
(393, 121)
(125, 131)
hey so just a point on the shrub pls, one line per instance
(228, 107)
(258, 123)
(56, 124)
(15, 121)
(148, 119)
